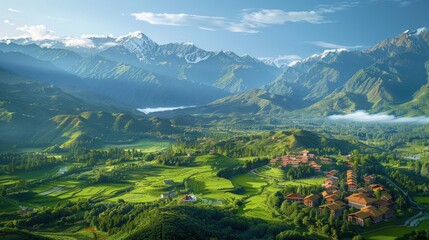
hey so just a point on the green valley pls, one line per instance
(297, 120)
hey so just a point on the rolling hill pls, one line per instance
(33, 113)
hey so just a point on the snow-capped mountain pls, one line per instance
(222, 69)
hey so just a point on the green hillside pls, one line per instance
(277, 143)
(38, 114)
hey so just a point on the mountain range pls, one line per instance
(57, 91)
(392, 76)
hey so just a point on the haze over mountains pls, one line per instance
(52, 82)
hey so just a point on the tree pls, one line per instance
(358, 237)
(377, 193)
(424, 171)
(306, 221)
(3, 191)
(334, 234)
(368, 222)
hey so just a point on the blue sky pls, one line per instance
(285, 28)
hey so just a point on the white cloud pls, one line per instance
(179, 19)
(207, 29)
(337, 7)
(8, 22)
(78, 42)
(241, 28)
(108, 45)
(13, 10)
(249, 21)
(276, 16)
(46, 45)
(36, 32)
(333, 45)
(363, 116)
(401, 3)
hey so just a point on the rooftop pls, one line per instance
(360, 198)
(295, 196)
(312, 197)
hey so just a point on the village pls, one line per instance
(366, 201)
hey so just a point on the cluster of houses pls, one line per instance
(304, 158)
(351, 181)
(189, 198)
(363, 199)
(185, 198)
(25, 210)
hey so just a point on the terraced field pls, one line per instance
(145, 182)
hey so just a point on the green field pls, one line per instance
(22, 150)
(141, 184)
(30, 175)
(422, 200)
(306, 181)
(144, 145)
(394, 232)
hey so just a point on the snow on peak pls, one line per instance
(416, 32)
(318, 56)
(421, 30)
(293, 63)
(138, 43)
(281, 61)
(136, 34)
(327, 52)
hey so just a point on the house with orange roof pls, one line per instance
(332, 198)
(358, 218)
(370, 179)
(348, 164)
(274, 160)
(325, 160)
(371, 212)
(311, 200)
(331, 188)
(351, 187)
(335, 208)
(315, 166)
(359, 200)
(295, 197)
(331, 173)
(351, 181)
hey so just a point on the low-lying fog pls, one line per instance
(160, 109)
(363, 116)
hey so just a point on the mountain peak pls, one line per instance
(414, 33)
(136, 34)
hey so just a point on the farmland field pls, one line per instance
(422, 200)
(395, 232)
(144, 145)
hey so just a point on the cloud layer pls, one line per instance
(36, 32)
(249, 21)
(363, 116)
(333, 45)
(13, 10)
(8, 22)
